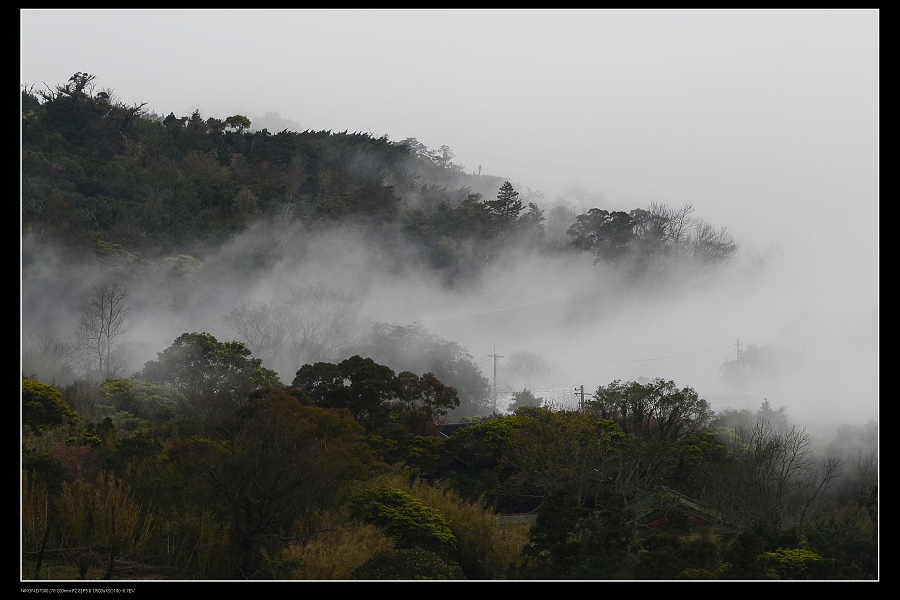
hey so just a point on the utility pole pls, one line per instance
(737, 345)
(495, 356)
(581, 402)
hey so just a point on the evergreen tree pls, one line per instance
(507, 206)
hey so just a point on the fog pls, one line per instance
(766, 122)
(589, 326)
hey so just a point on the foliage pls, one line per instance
(238, 122)
(693, 460)
(269, 464)
(425, 400)
(655, 410)
(518, 461)
(570, 541)
(668, 556)
(43, 407)
(794, 563)
(108, 180)
(850, 541)
(524, 398)
(370, 204)
(336, 547)
(85, 398)
(102, 514)
(739, 556)
(531, 223)
(475, 459)
(650, 242)
(485, 547)
(407, 564)
(214, 377)
(605, 234)
(377, 397)
(409, 522)
(412, 348)
(396, 444)
(262, 490)
(105, 514)
(151, 402)
(695, 574)
(507, 206)
(360, 385)
(552, 451)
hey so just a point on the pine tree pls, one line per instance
(507, 206)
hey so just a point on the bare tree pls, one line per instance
(692, 238)
(84, 396)
(677, 222)
(48, 360)
(772, 476)
(527, 370)
(710, 245)
(103, 327)
(311, 324)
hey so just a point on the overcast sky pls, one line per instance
(766, 121)
(738, 112)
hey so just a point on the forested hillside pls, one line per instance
(284, 432)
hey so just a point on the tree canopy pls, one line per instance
(375, 395)
(43, 407)
(657, 409)
(214, 377)
(413, 348)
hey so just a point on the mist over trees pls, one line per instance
(103, 327)
(240, 360)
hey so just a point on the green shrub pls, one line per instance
(695, 574)
(796, 563)
(43, 406)
(405, 519)
(408, 563)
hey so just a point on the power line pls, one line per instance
(597, 362)
(499, 310)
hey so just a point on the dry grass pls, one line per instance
(198, 546)
(89, 521)
(484, 544)
(338, 547)
(70, 565)
(103, 513)
(35, 513)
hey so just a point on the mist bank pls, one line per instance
(589, 321)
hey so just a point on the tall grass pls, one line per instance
(35, 513)
(338, 546)
(486, 549)
(103, 514)
(198, 546)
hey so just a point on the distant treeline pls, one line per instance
(100, 175)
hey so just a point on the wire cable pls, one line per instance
(598, 362)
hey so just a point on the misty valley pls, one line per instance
(325, 355)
